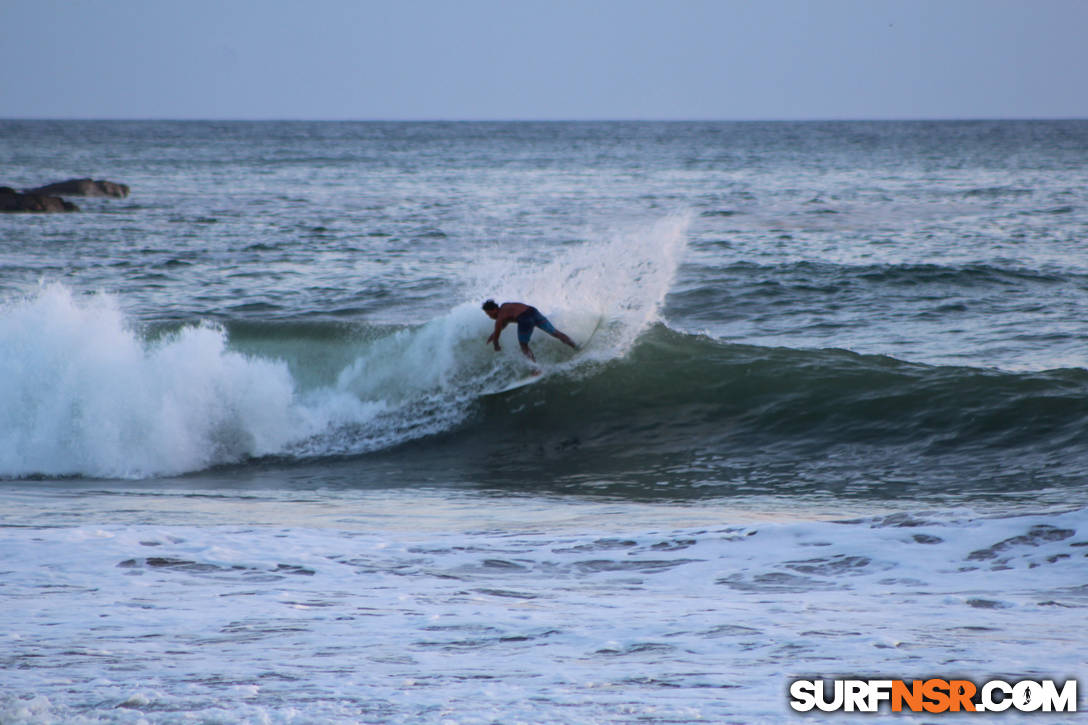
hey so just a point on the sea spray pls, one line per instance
(621, 279)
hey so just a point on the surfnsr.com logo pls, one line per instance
(933, 695)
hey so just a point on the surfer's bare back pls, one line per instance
(527, 318)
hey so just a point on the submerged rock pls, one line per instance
(11, 200)
(83, 187)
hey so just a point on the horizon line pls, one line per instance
(843, 119)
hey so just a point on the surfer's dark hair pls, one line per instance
(490, 305)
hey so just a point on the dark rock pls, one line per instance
(11, 200)
(83, 187)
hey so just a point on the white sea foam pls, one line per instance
(527, 620)
(620, 280)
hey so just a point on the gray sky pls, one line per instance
(544, 59)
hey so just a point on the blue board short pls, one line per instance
(528, 320)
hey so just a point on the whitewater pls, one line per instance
(827, 420)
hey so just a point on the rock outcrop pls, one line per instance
(83, 187)
(11, 200)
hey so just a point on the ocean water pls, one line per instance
(828, 419)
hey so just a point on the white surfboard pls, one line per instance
(518, 384)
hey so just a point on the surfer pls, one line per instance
(527, 318)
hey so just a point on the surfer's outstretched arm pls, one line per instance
(494, 338)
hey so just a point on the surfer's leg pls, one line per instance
(543, 323)
(525, 330)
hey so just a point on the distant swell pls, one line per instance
(833, 275)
